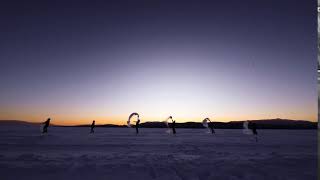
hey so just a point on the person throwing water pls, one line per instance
(250, 128)
(46, 125)
(93, 125)
(210, 124)
(253, 127)
(137, 122)
(137, 125)
(173, 126)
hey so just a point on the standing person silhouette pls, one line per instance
(211, 127)
(254, 130)
(46, 125)
(137, 125)
(93, 126)
(173, 126)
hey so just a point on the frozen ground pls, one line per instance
(117, 153)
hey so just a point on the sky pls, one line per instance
(76, 61)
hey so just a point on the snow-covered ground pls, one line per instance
(117, 153)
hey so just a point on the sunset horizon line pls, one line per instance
(124, 121)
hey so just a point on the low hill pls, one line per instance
(261, 124)
(16, 123)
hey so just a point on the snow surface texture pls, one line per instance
(118, 154)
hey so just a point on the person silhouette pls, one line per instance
(254, 130)
(46, 125)
(137, 125)
(211, 127)
(92, 126)
(173, 126)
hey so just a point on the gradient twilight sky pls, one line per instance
(76, 61)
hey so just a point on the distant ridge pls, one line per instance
(261, 124)
(19, 122)
(16, 122)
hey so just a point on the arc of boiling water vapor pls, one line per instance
(129, 119)
(167, 124)
(205, 124)
(246, 129)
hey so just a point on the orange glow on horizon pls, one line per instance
(78, 116)
(121, 120)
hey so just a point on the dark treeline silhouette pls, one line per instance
(260, 124)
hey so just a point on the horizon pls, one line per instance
(124, 124)
(77, 62)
